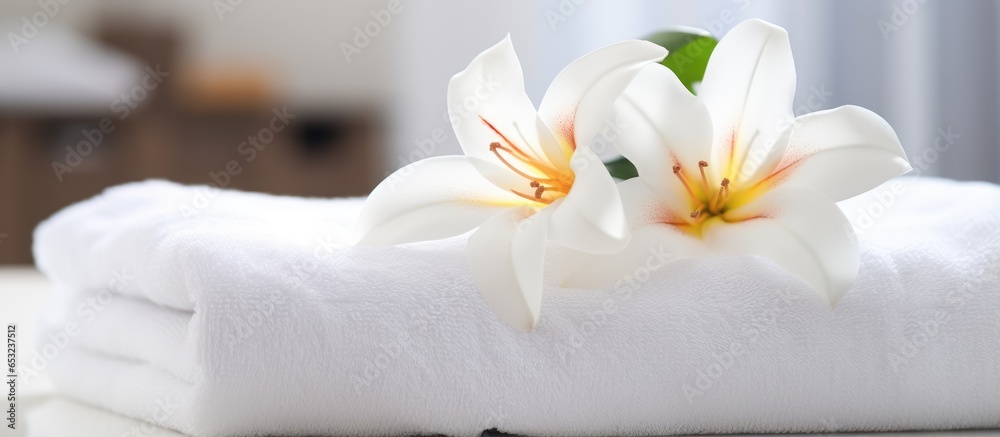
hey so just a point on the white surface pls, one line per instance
(40, 413)
(295, 332)
(23, 290)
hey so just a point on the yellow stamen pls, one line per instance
(698, 216)
(708, 202)
(554, 181)
(538, 192)
(725, 192)
(704, 179)
(531, 198)
(495, 147)
(720, 196)
(677, 172)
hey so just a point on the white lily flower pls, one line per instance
(731, 170)
(527, 176)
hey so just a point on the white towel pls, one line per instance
(57, 417)
(248, 314)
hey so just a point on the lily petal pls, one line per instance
(654, 243)
(590, 217)
(506, 258)
(802, 231)
(664, 125)
(487, 103)
(749, 87)
(840, 152)
(578, 102)
(434, 198)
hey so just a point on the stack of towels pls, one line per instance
(223, 313)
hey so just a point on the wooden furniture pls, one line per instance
(186, 130)
(320, 153)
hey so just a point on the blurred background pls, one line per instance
(322, 98)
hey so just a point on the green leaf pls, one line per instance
(689, 50)
(621, 168)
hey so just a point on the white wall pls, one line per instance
(937, 69)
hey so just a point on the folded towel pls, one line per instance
(221, 313)
(59, 417)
